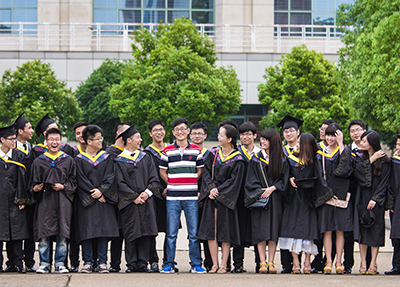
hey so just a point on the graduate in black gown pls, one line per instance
(267, 165)
(372, 199)
(394, 205)
(299, 226)
(13, 198)
(137, 182)
(116, 244)
(157, 133)
(52, 183)
(222, 179)
(95, 173)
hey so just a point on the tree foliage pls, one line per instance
(34, 88)
(173, 74)
(303, 85)
(94, 96)
(370, 61)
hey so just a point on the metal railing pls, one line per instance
(34, 36)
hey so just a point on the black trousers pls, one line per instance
(116, 251)
(238, 256)
(137, 252)
(207, 255)
(29, 250)
(153, 250)
(15, 253)
(73, 252)
(287, 259)
(396, 253)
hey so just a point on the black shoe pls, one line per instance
(347, 270)
(228, 268)
(239, 270)
(257, 268)
(74, 269)
(286, 271)
(10, 268)
(393, 271)
(30, 269)
(176, 270)
(132, 269)
(154, 267)
(144, 269)
(315, 271)
(20, 269)
(114, 270)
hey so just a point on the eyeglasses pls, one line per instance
(248, 134)
(322, 130)
(99, 139)
(12, 139)
(197, 134)
(180, 130)
(288, 131)
(53, 140)
(356, 130)
(157, 130)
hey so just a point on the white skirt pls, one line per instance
(298, 245)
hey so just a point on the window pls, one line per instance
(152, 11)
(18, 11)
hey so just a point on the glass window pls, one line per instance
(105, 3)
(281, 19)
(202, 4)
(281, 4)
(340, 2)
(202, 17)
(5, 15)
(300, 18)
(130, 16)
(153, 4)
(177, 14)
(153, 16)
(324, 5)
(25, 3)
(323, 19)
(178, 4)
(302, 5)
(130, 3)
(105, 16)
(5, 3)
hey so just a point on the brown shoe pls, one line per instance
(87, 268)
(103, 268)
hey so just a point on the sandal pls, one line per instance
(221, 270)
(373, 269)
(339, 268)
(213, 269)
(263, 268)
(363, 270)
(271, 268)
(296, 269)
(328, 269)
(307, 269)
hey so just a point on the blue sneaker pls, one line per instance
(168, 269)
(198, 269)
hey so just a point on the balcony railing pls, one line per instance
(116, 37)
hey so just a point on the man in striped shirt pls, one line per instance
(181, 165)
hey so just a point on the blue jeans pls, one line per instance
(44, 251)
(102, 248)
(191, 209)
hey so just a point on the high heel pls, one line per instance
(307, 269)
(373, 269)
(328, 269)
(263, 268)
(363, 270)
(339, 268)
(296, 269)
(271, 268)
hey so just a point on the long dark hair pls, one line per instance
(275, 152)
(232, 133)
(375, 143)
(308, 148)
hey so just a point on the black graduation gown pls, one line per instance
(114, 151)
(375, 235)
(299, 219)
(53, 210)
(159, 200)
(338, 168)
(394, 198)
(134, 175)
(13, 192)
(41, 149)
(93, 218)
(265, 223)
(228, 177)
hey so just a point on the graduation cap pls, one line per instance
(305, 183)
(290, 122)
(7, 131)
(20, 121)
(127, 133)
(43, 124)
(367, 216)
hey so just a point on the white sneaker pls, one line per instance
(61, 269)
(43, 269)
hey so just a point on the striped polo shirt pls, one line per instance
(182, 171)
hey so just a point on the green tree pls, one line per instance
(173, 74)
(34, 88)
(303, 85)
(94, 96)
(370, 61)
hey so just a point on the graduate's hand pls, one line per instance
(38, 187)
(213, 193)
(292, 182)
(268, 191)
(371, 204)
(20, 207)
(396, 153)
(339, 137)
(164, 193)
(57, 186)
(138, 200)
(144, 196)
(102, 199)
(96, 194)
(378, 154)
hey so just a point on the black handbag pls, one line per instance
(261, 202)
